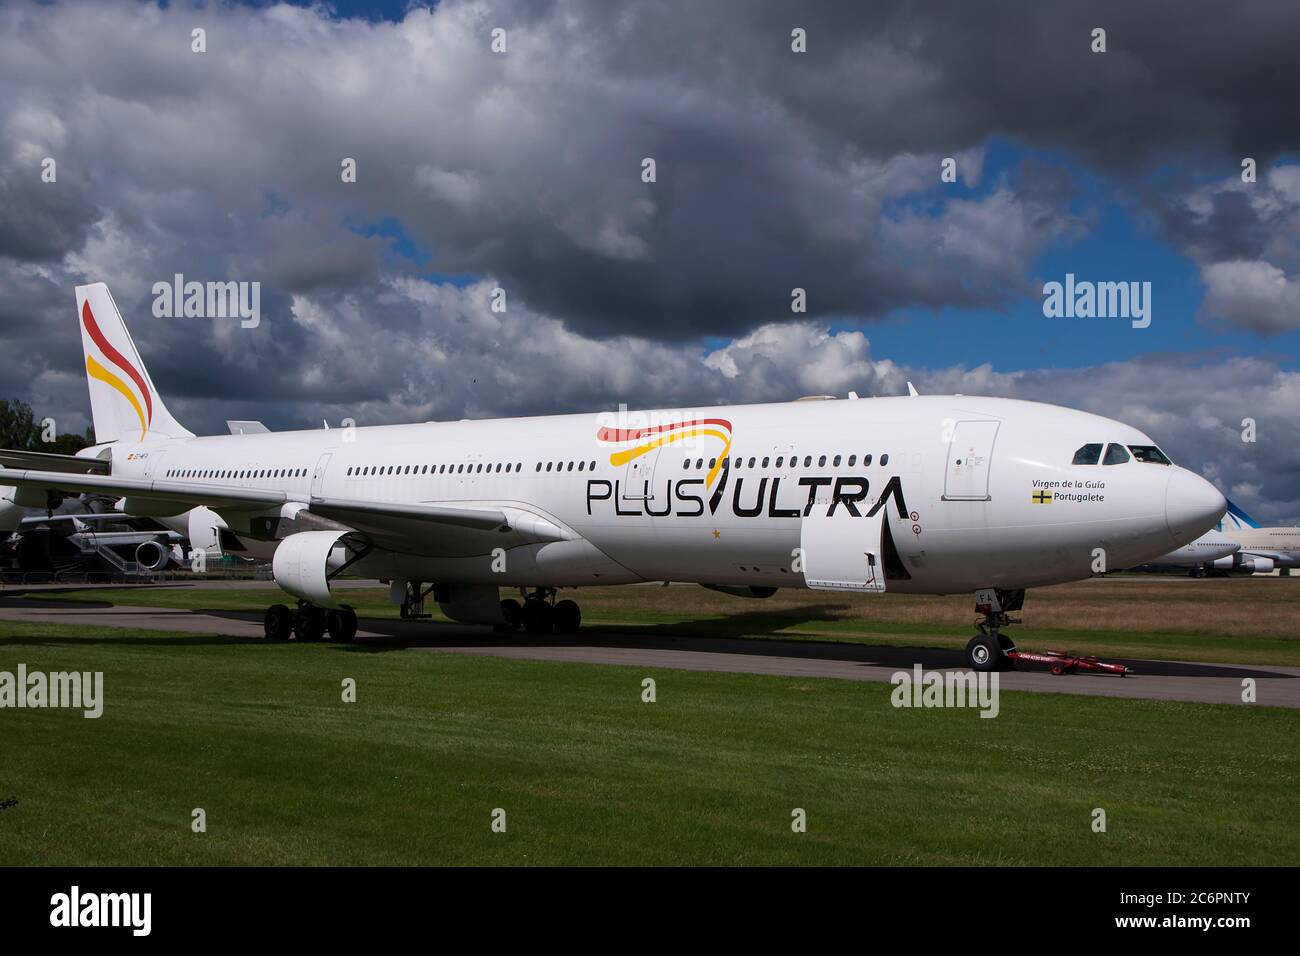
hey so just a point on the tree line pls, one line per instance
(21, 430)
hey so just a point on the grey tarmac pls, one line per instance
(1276, 685)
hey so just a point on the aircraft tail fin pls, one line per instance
(1236, 519)
(123, 401)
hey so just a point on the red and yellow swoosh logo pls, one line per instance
(656, 436)
(96, 370)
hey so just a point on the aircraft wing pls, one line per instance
(386, 519)
(387, 514)
(1279, 558)
(48, 461)
(188, 493)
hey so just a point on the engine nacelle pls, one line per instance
(11, 516)
(470, 604)
(741, 590)
(153, 555)
(1258, 565)
(303, 562)
(204, 530)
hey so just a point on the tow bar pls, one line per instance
(1063, 662)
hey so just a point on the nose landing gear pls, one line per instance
(988, 650)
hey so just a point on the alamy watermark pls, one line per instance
(75, 908)
(36, 690)
(1100, 300)
(208, 300)
(922, 688)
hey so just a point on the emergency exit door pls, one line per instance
(970, 455)
(638, 477)
(318, 473)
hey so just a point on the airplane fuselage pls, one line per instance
(974, 492)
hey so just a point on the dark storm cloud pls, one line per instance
(41, 224)
(776, 170)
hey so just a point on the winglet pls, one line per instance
(911, 390)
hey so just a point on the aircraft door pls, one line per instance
(970, 455)
(153, 465)
(638, 477)
(318, 475)
(841, 552)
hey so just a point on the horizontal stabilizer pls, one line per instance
(49, 461)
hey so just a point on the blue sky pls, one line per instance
(1122, 243)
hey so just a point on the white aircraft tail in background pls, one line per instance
(1263, 550)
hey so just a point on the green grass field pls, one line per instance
(257, 735)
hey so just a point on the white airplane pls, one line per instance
(917, 494)
(1212, 550)
(1262, 549)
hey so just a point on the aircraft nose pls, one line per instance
(1192, 505)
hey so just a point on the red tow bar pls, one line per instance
(1063, 662)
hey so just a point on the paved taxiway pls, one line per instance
(1277, 686)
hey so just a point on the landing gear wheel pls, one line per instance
(278, 623)
(984, 653)
(538, 617)
(513, 612)
(309, 624)
(342, 625)
(567, 617)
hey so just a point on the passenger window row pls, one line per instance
(375, 471)
(791, 462)
(236, 474)
(567, 466)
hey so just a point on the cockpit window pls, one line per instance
(1150, 454)
(1115, 455)
(1089, 454)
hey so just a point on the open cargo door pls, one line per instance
(842, 552)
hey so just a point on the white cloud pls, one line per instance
(1256, 294)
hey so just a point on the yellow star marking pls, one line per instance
(717, 534)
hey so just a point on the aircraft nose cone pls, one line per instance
(1192, 505)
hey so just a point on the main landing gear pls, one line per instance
(540, 613)
(309, 623)
(987, 650)
(412, 607)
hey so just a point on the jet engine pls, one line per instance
(304, 561)
(1244, 565)
(153, 555)
(11, 515)
(1257, 565)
